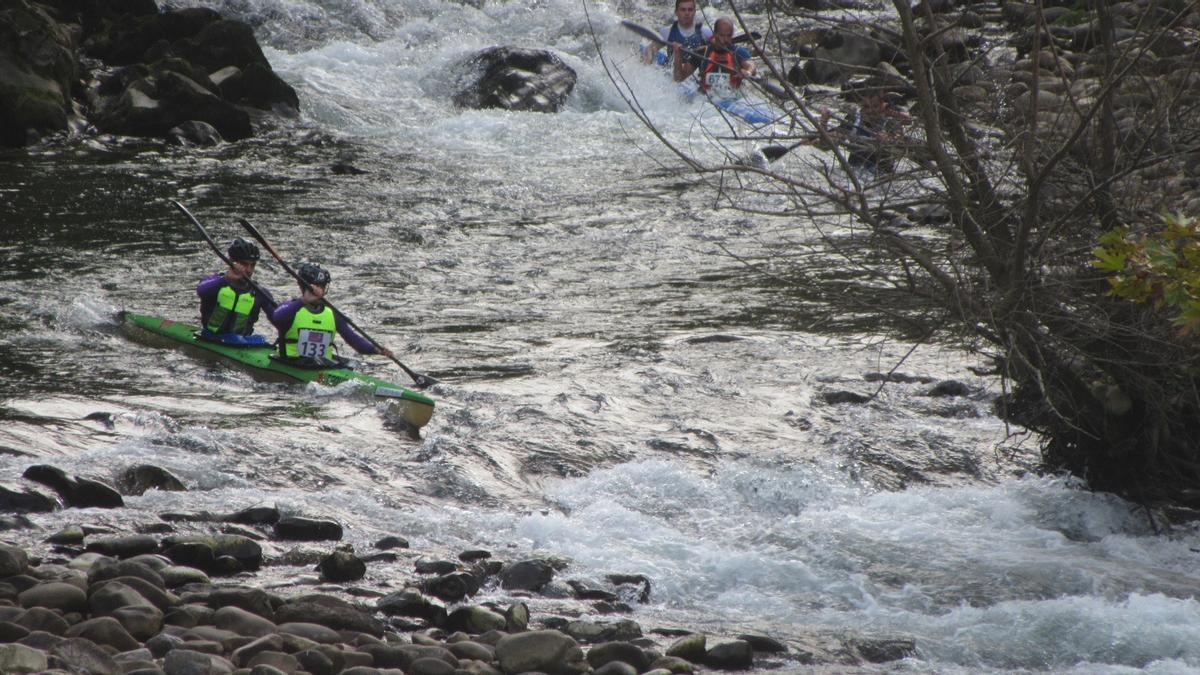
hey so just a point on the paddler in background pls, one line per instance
(307, 324)
(230, 302)
(723, 65)
(685, 31)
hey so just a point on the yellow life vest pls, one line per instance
(310, 335)
(231, 314)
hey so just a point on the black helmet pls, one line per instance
(312, 274)
(243, 250)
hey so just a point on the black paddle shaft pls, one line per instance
(422, 381)
(217, 249)
(656, 38)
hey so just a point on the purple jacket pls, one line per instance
(285, 314)
(208, 288)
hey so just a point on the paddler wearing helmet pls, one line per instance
(230, 303)
(307, 324)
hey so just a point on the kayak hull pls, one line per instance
(415, 408)
(745, 110)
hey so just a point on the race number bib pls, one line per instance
(313, 343)
(719, 85)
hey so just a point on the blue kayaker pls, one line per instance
(307, 324)
(722, 66)
(685, 31)
(230, 303)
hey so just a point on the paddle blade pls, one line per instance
(774, 152)
(642, 31)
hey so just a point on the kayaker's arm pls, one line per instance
(682, 68)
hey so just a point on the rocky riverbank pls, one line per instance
(257, 591)
(126, 68)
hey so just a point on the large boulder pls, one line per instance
(37, 69)
(154, 105)
(840, 55)
(512, 78)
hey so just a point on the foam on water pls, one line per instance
(1033, 573)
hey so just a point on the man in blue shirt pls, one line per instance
(685, 31)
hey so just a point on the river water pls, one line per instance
(618, 388)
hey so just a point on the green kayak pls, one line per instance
(415, 408)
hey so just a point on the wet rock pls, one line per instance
(123, 546)
(264, 643)
(840, 55)
(615, 668)
(625, 652)
(474, 556)
(516, 617)
(390, 542)
(253, 600)
(468, 649)
(689, 647)
(331, 612)
(764, 644)
(316, 662)
(298, 528)
(243, 549)
(191, 662)
(105, 569)
(452, 587)
(71, 535)
(882, 650)
(11, 632)
(526, 575)
(947, 388)
(410, 602)
(254, 515)
(191, 554)
(475, 620)
(154, 105)
(55, 595)
(13, 560)
(17, 498)
(836, 397)
(634, 579)
(309, 631)
(403, 656)
(104, 630)
(142, 622)
(511, 78)
(37, 66)
(22, 659)
(242, 622)
(732, 655)
(342, 566)
(136, 480)
(83, 655)
(75, 491)
(16, 522)
(427, 666)
(545, 651)
(595, 632)
(113, 594)
(673, 664)
(41, 619)
(427, 566)
(583, 591)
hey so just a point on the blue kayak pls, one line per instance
(738, 106)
